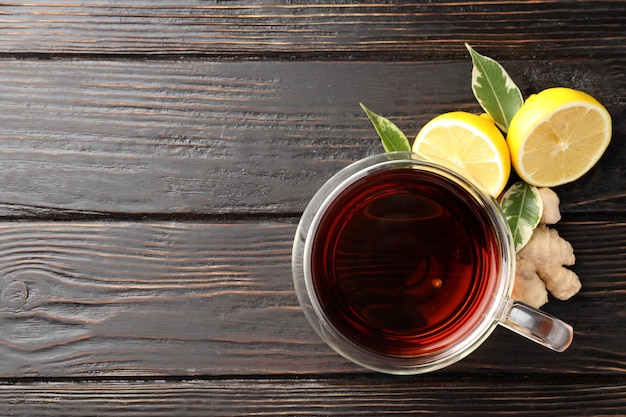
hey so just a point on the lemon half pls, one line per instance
(469, 142)
(557, 136)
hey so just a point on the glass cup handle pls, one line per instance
(538, 326)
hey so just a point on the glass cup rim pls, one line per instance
(303, 280)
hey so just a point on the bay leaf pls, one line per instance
(494, 89)
(522, 206)
(392, 137)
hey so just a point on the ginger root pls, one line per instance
(551, 213)
(540, 263)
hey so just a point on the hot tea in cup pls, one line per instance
(404, 266)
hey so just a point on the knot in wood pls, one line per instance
(14, 295)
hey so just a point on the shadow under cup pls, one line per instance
(403, 266)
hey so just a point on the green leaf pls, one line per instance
(495, 91)
(392, 137)
(522, 206)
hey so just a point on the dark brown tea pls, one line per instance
(404, 262)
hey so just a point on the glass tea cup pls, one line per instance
(404, 266)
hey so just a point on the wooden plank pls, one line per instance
(165, 137)
(86, 299)
(328, 397)
(352, 29)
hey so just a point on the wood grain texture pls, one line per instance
(310, 397)
(320, 29)
(183, 299)
(127, 137)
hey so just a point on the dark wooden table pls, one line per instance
(155, 157)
